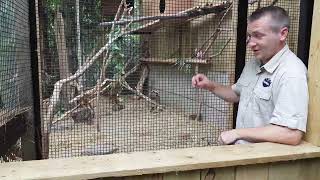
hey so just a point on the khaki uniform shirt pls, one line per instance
(275, 93)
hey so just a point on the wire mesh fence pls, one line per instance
(115, 75)
(15, 75)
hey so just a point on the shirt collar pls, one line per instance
(274, 62)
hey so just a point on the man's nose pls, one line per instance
(250, 43)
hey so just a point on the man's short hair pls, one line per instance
(278, 16)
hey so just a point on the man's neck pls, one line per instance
(281, 46)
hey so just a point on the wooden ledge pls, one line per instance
(175, 60)
(152, 162)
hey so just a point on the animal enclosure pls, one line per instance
(116, 77)
(131, 122)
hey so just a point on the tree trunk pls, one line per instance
(79, 49)
(67, 92)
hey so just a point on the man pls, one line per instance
(272, 91)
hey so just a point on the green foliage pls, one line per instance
(126, 49)
(123, 50)
(53, 5)
(90, 17)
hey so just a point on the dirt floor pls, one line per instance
(134, 128)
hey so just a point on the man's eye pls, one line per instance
(248, 38)
(258, 36)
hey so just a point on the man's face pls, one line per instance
(264, 42)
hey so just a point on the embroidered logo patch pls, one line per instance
(266, 82)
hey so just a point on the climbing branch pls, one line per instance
(189, 13)
(127, 86)
(202, 52)
(221, 50)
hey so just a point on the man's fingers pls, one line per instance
(198, 80)
(194, 81)
(220, 140)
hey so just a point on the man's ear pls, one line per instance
(284, 33)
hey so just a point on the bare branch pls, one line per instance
(143, 77)
(90, 92)
(221, 50)
(127, 86)
(189, 13)
(214, 35)
(134, 69)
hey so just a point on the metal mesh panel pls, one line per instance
(15, 73)
(125, 86)
(130, 84)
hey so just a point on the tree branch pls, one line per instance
(189, 13)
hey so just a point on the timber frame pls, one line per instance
(250, 161)
(159, 163)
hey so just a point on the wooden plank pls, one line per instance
(146, 177)
(172, 45)
(310, 169)
(138, 163)
(174, 60)
(188, 175)
(227, 173)
(185, 40)
(155, 44)
(252, 172)
(204, 64)
(285, 170)
(313, 127)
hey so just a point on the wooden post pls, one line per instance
(313, 127)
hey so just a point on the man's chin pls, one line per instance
(257, 56)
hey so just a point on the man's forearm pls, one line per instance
(224, 92)
(271, 133)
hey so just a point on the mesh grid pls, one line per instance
(145, 100)
(15, 72)
(15, 61)
(125, 88)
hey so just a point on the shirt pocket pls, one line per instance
(263, 94)
(263, 101)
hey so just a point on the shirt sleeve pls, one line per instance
(236, 89)
(291, 104)
(242, 81)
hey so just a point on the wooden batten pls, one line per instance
(154, 162)
(313, 128)
(174, 60)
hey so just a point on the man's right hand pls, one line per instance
(201, 81)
